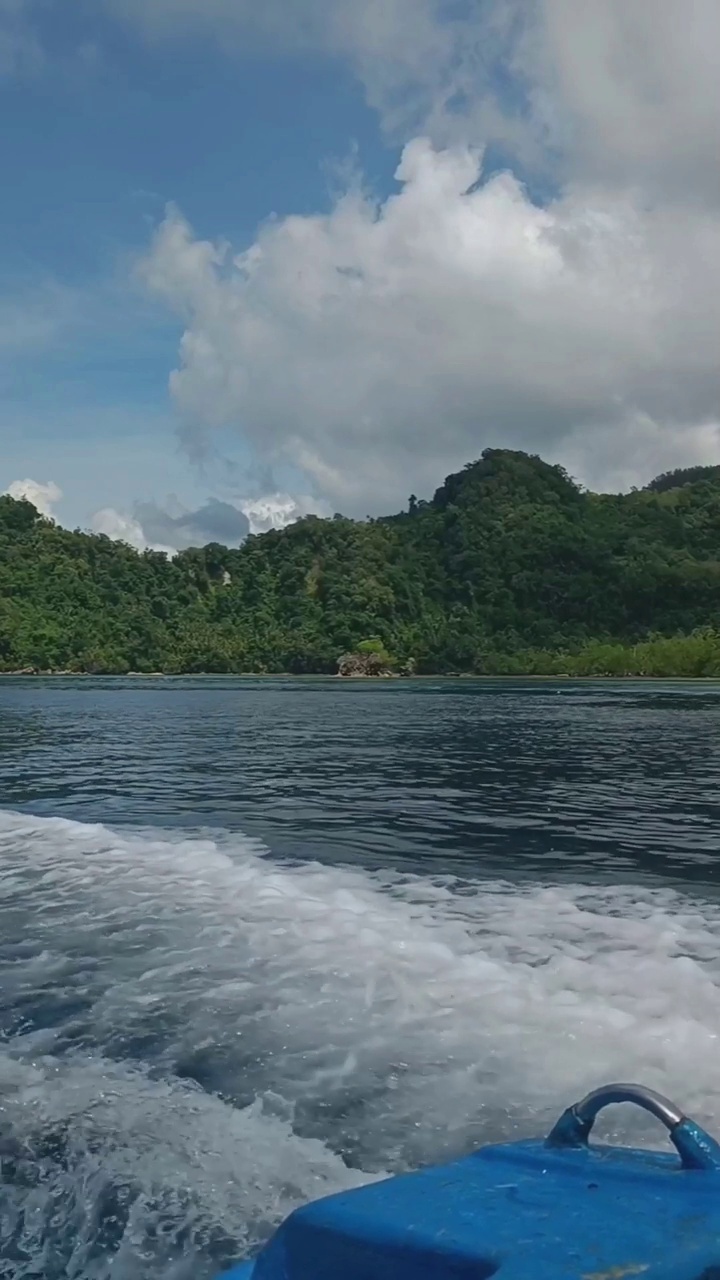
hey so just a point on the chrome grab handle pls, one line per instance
(697, 1150)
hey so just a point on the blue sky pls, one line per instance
(97, 141)
(461, 320)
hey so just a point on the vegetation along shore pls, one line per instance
(510, 569)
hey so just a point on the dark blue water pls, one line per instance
(262, 939)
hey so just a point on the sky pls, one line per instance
(312, 255)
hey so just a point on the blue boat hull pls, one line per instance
(557, 1209)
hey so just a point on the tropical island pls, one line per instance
(511, 568)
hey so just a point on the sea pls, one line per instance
(265, 939)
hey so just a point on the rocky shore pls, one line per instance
(364, 665)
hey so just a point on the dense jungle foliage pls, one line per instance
(511, 568)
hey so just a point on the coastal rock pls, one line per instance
(364, 664)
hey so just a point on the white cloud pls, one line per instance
(377, 347)
(278, 510)
(401, 49)
(624, 92)
(177, 526)
(621, 91)
(121, 528)
(43, 496)
(374, 348)
(173, 527)
(629, 92)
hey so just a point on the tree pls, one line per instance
(510, 568)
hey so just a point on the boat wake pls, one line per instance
(196, 1037)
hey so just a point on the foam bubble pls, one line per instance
(101, 1160)
(382, 1019)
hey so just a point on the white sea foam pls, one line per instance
(334, 1017)
(103, 1162)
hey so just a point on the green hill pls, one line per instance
(510, 568)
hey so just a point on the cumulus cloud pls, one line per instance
(402, 50)
(215, 521)
(621, 91)
(122, 527)
(44, 496)
(173, 527)
(278, 510)
(376, 346)
(628, 92)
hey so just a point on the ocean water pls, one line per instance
(262, 940)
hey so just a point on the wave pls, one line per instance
(102, 1164)
(214, 1035)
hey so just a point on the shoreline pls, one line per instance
(378, 680)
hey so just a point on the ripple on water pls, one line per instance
(208, 1036)
(305, 933)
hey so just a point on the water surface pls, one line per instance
(261, 939)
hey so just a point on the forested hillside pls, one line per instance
(511, 567)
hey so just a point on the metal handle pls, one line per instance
(697, 1150)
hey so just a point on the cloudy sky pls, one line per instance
(260, 259)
